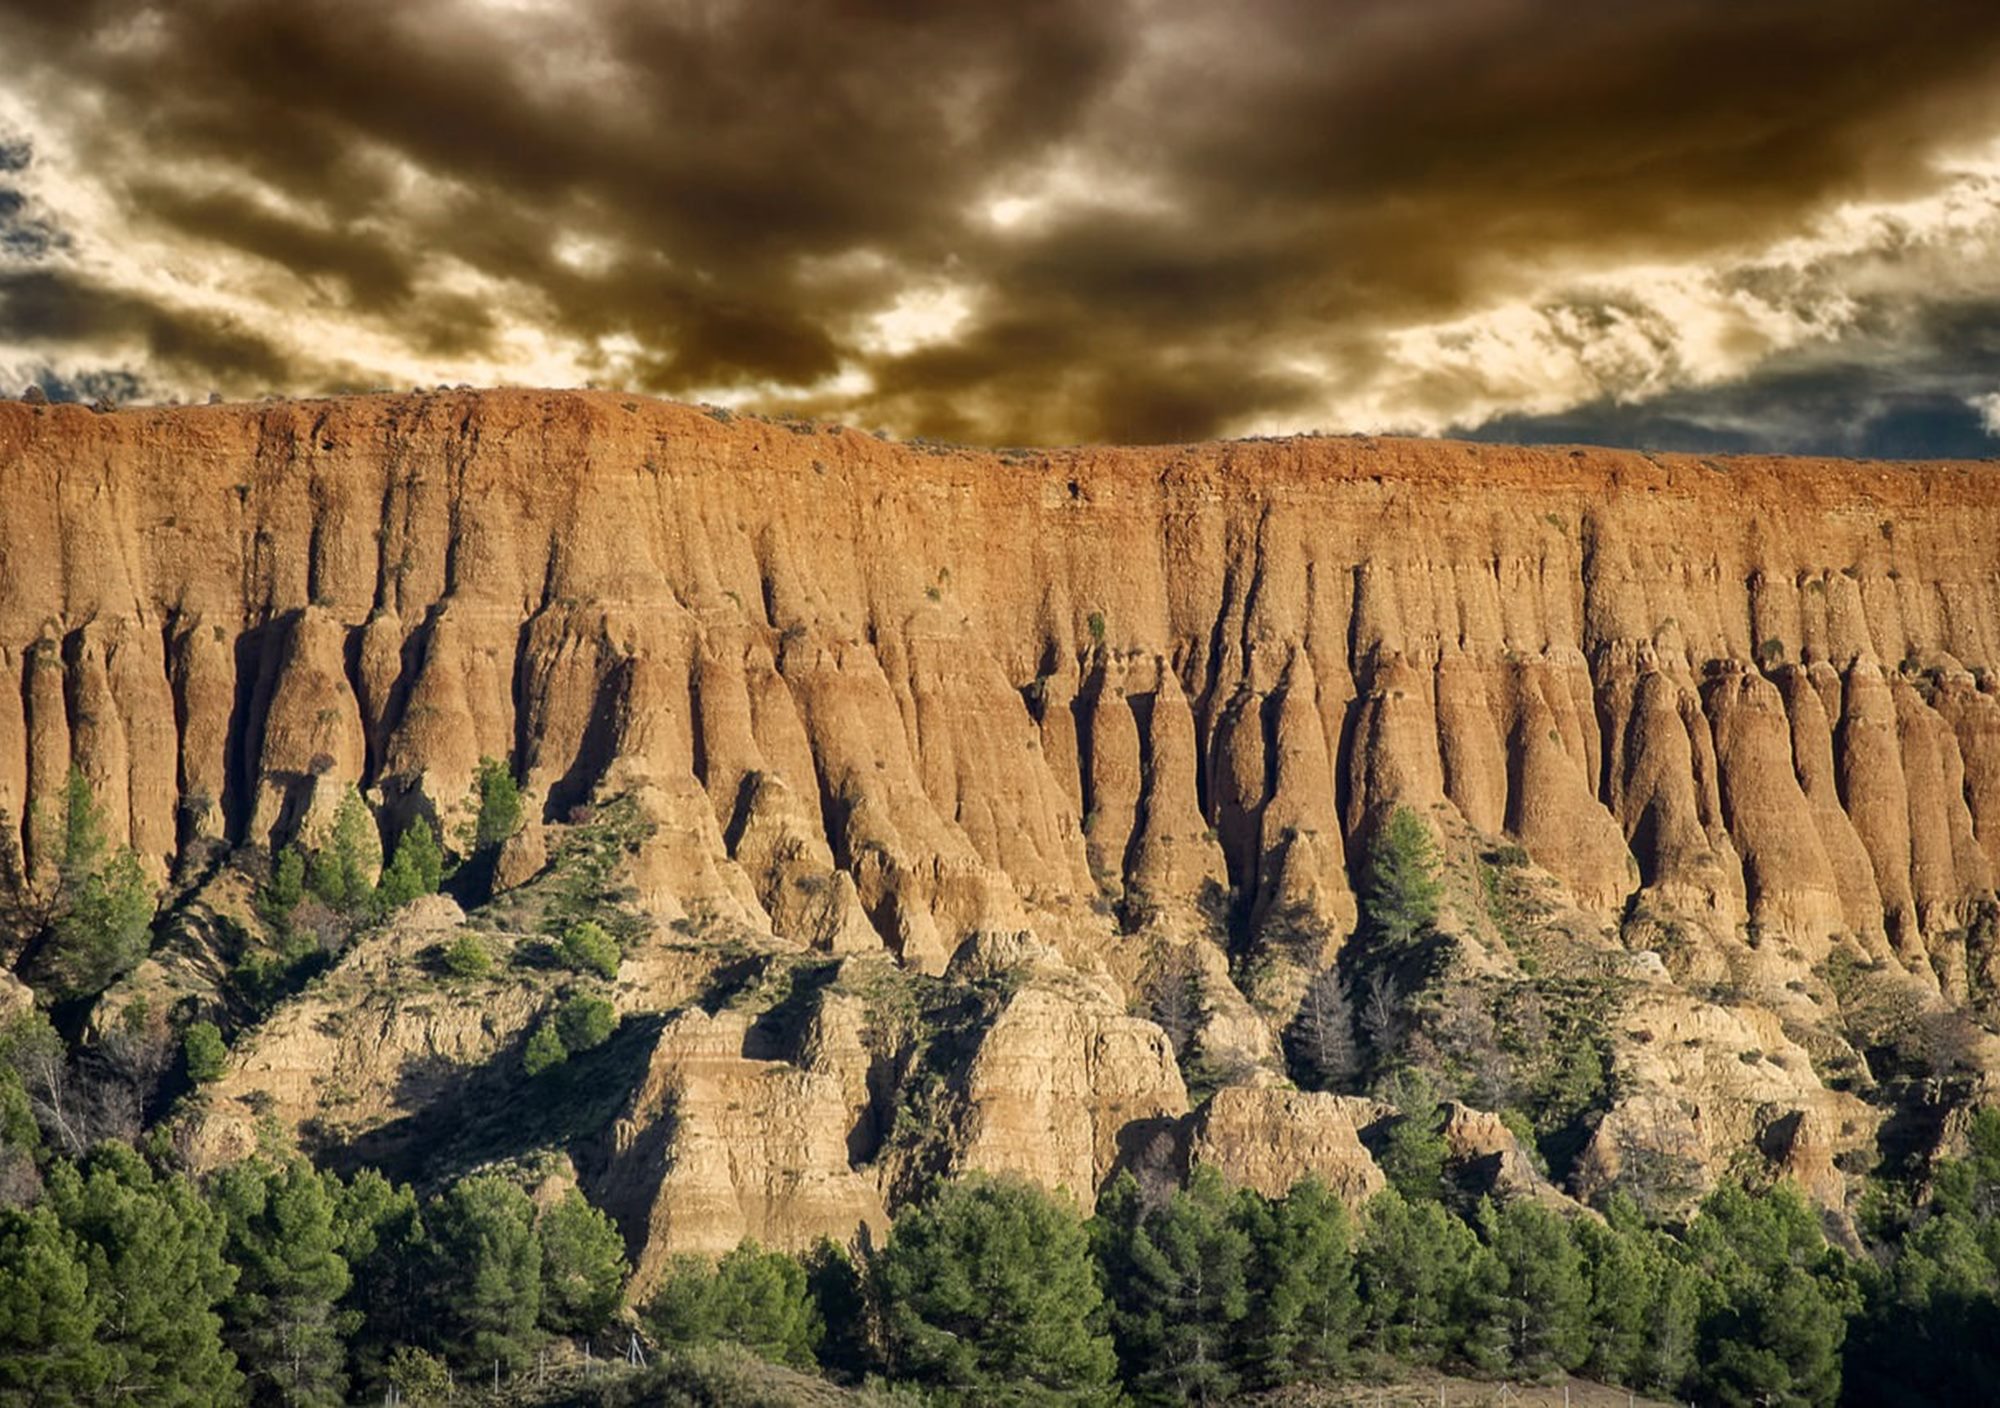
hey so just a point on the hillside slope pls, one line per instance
(1721, 736)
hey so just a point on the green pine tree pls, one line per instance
(288, 880)
(153, 1253)
(1414, 1155)
(586, 948)
(104, 905)
(838, 1291)
(486, 1273)
(383, 1241)
(20, 1136)
(206, 1053)
(585, 1022)
(545, 1050)
(1399, 893)
(1180, 1276)
(1545, 1300)
(1672, 1339)
(49, 1323)
(989, 1288)
(284, 1318)
(1970, 1187)
(27, 1043)
(1932, 1324)
(753, 1298)
(85, 846)
(1643, 1302)
(499, 805)
(1623, 1290)
(1416, 1262)
(1483, 1332)
(1303, 1306)
(1778, 1343)
(1935, 1313)
(420, 1379)
(466, 957)
(583, 1266)
(416, 868)
(1776, 1299)
(327, 879)
(344, 870)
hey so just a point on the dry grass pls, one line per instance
(1430, 1390)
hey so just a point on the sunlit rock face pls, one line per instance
(905, 701)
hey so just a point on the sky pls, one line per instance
(1682, 224)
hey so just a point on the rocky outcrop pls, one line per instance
(373, 1048)
(780, 847)
(990, 685)
(912, 701)
(1270, 1139)
(1487, 1157)
(1700, 1081)
(1059, 1078)
(788, 1132)
(716, 1146)
(1788, 875)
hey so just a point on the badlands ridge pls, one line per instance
(1044, 724)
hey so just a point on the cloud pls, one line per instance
(1863, 282)
(46, 307)
(1913, 389)
(1988, 407)
(1064, 219)
(24, 237)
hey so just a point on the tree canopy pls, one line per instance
(989, 1288)
(104, 903)
(499, 814)
(583, 1266)
(753, 1298)
(1400, 887)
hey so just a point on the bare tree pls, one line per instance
(1944, 1043)
(1470, 1040)
(1323, 1032)
(99, 1092)
(1382, 1014)
(127, 1066)
(1173, 996)
(20, 1180)
(58, 1106)
(1659, 1160)
(322, 926)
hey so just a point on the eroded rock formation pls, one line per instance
(897, 703)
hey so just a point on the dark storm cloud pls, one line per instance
(713, 149)
(23, 236)
(1908, 398)
(735, 189)
(48, 308)
(117, 385)
(1852, 410)
(372, 277)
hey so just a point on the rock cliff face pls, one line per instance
(910, 700)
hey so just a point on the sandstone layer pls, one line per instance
(915, 702)
(981, 682)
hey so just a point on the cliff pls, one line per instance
(913, 700)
